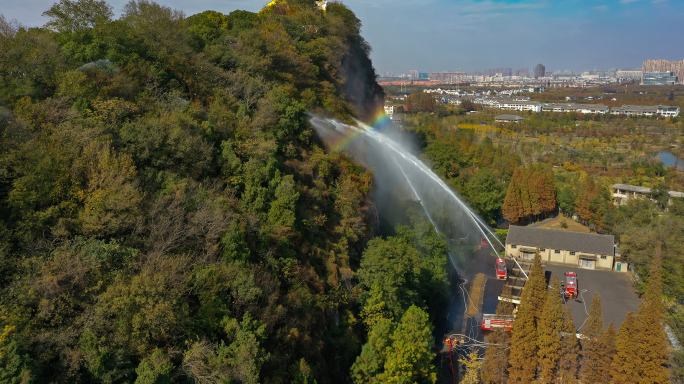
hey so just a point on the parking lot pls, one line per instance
(618, 295)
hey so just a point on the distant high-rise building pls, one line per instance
(423, 75)
(412, 74)
(507, 72)
(539, 71)
(654, 66)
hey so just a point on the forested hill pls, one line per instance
(166, 213)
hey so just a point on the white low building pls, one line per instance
(533, 106)
(646, 110)
(578, 108)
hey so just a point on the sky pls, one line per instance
(472, 35)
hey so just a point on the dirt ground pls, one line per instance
(573, 226)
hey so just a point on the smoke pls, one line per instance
(403, 184)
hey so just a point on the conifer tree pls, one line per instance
(609, 345)
(586, 193)
(652, 353)
(549, 203)
(523, 352)
(533, 191)
(624, 363)
(568, 363)
(592, 353)
(536, 286)
(495, 368)
(549, 331)
(512, 206)
(525, 195)
(541, 186)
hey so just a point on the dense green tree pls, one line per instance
(71, 16)
(156, 369)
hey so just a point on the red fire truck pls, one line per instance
(501, 272)
(484, 242)
(571, 285)
(490, 322)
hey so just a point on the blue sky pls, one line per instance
(445, 35)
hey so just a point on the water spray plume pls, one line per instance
(382, 151)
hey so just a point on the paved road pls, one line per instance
(618, 295)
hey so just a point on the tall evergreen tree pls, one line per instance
(592, 353)
(549, 331)
(549, 203)
(568, 363)
(536, 287)
(586, 193)
(523, 355)
(495, 368)
(609, 346)
(624, 363)
(512, 205)
(652, 353)
(525, 194)
(533, 191)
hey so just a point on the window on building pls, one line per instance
(542, 250)
(604, 257)
(556, 251)
(572, 253)
(514, 246)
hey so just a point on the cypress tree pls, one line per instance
(512, 206)
(533, 190)
(536, 287)
(495, 368)
(550, 202)
(609, 345)
(652, 353)
(592, 353)
(568, 363)
(624, 363)
(523, 352)
(549, 333)
(525, 195)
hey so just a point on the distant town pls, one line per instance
(653, 72)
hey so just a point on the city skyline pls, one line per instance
(443, 35)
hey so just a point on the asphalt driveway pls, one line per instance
(618, 295)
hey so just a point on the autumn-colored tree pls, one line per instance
(533, 191)
(549, 333)
(568, 363)
(586, 193)
(512, 206)
(523, 352)
(536, 287)
(525, 195)
(609, 346)
(495, 368)
(652, 353)
(473, 366)
(624, 364)
(549, 202)
(592, 353)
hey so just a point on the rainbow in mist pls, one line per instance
(378, 123)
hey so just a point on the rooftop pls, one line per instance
(644, 190)
(569, 241)
(510, 117)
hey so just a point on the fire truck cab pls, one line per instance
(501, 272)
(571, 285)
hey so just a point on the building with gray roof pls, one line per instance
(509, 119)
(585, 250)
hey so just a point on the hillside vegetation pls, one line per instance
(166, 213)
